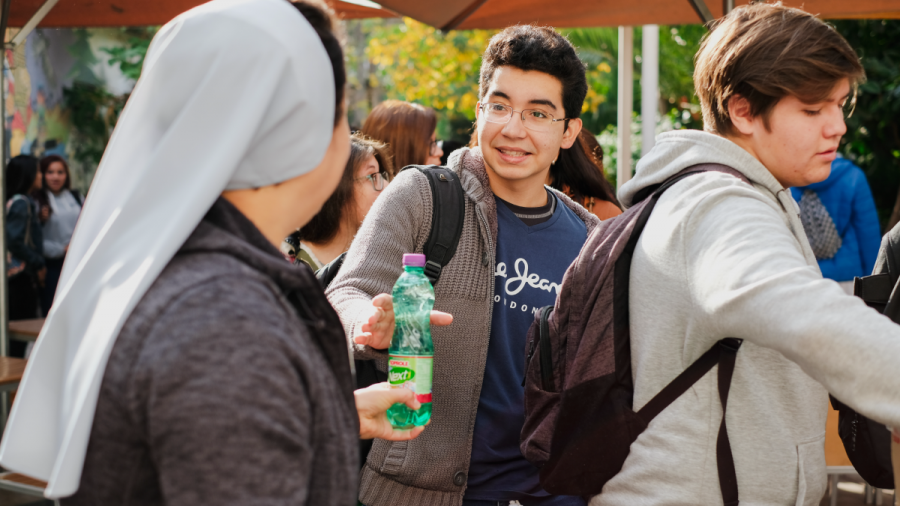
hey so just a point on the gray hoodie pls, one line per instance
(721, 258)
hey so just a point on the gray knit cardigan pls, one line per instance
(431, 470)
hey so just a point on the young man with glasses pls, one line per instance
(518, 239)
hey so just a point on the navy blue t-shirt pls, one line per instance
(531, 262)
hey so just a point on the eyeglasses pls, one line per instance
(533, 119)
(433, 148)
(378, 179)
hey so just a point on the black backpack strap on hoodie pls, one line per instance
(723, 353)
(447, 215)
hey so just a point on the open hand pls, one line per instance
(372, 403)
(378, 326)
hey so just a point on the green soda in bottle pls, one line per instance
(412, 352)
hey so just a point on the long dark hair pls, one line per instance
(580, 170)
(340, 206)
(21, 172)
(41, 195)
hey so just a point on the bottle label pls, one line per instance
(412, 372)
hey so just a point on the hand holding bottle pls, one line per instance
(372, 404)
(378, 325)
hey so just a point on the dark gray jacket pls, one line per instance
(229, 384)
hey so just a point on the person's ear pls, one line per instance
(739, 111)
(571, 133)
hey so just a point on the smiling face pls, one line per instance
(801, 140)
(517, 158)
(56, 177)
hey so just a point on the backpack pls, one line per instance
(579, 417)
(447, 215)
(867, 442)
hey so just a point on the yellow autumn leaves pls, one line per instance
(440, 70)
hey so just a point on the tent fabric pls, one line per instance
(234, 94)
(586, 13)
(98, 13)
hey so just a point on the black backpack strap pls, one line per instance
(326, 274)
(546, 350)
(447, 215)
(723, 353)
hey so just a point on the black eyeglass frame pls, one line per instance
(382, 177)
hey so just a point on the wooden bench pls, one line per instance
(22, 484)
(11, 371)
(25, 330)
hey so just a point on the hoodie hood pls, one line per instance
(678, 150)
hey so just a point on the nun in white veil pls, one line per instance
(184, 362)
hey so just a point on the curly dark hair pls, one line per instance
(539, 48)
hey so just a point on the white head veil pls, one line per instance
(234, 94)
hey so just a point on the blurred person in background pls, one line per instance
(25, 268)
(60, 206)
(578, 172)
(449, 147)
(841, 223)
(408, 129)
(329, 233)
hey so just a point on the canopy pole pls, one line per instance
(727, 6)
(625, 104)
(702, 10)
(33, 22)
(4, 288)
(649, 86)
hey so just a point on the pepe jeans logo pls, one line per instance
(523, 278)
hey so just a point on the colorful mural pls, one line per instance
(37, 72)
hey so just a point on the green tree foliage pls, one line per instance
(873, 129)
(677, 44)
(130, 57)
(94, 111)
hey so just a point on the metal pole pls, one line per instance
(649, 86)
(4, 288)
(727, 6)
(36, 18)
(625, 105)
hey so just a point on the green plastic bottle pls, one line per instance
(412, 351)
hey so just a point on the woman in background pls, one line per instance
(408, 130)
(60, 207)
(330, 232)
(25, 260)
(578, 172)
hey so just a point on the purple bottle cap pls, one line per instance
(414, 259)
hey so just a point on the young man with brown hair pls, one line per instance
(721, 257)
(518, 238)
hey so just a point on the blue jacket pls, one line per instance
(848, 199)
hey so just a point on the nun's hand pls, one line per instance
(378, 326)
(371, 405)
